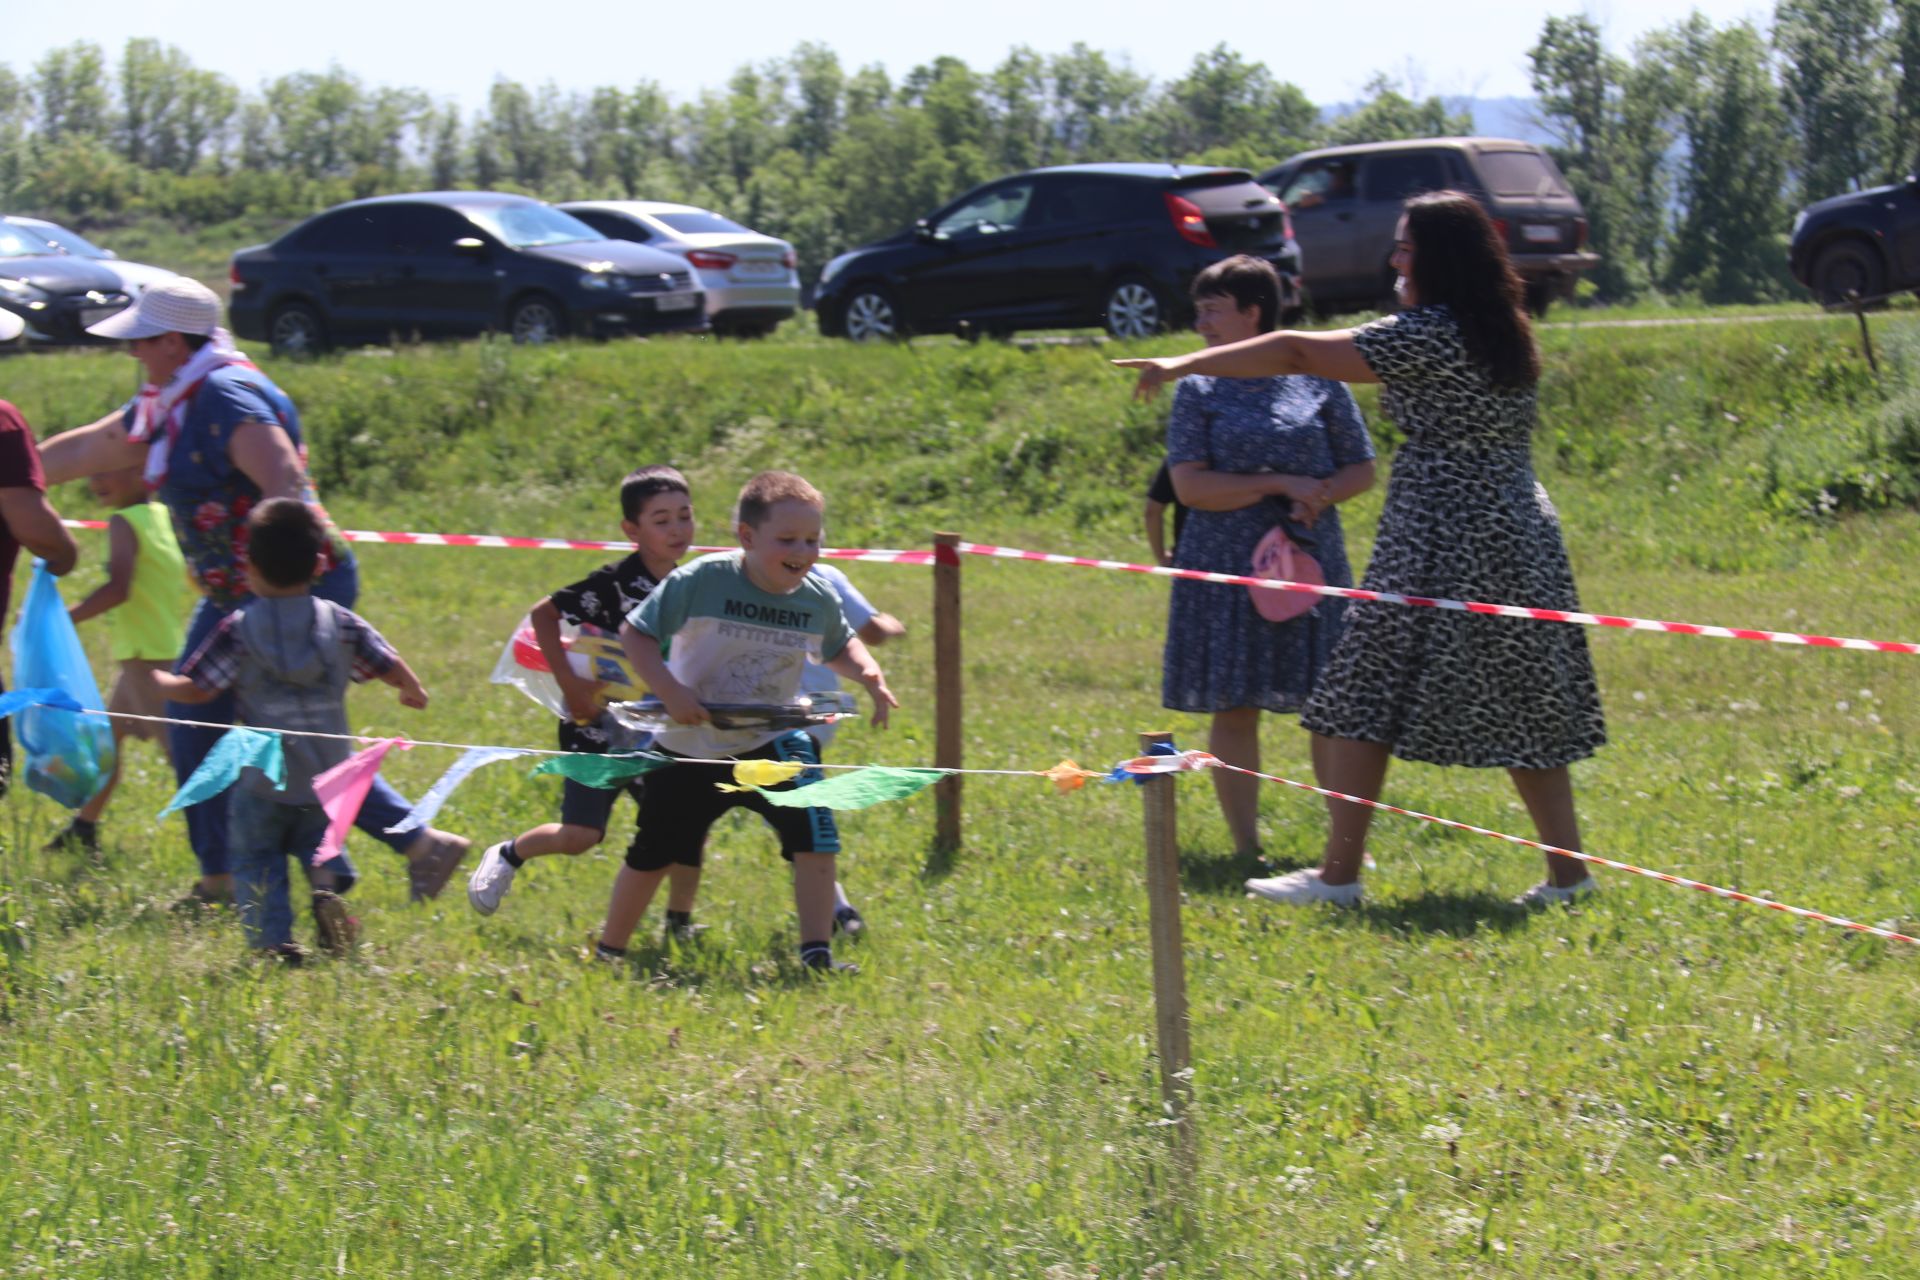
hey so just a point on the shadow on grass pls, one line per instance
(1455, 915)
(1211, 871)
(941, 859)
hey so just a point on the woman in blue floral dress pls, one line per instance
(1248, 454)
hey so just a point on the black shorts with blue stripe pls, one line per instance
(680, 804)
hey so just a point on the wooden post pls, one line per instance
(948, 736)
(1169, 952)
(1866, 335)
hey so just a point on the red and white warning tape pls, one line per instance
(1718, 892)
(941, 556)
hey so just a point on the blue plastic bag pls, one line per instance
(67, 755)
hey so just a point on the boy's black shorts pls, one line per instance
(585, 806)
(679, 805)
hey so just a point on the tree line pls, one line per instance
(1686, 149)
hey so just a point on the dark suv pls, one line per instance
(1087, 244)
(1345, 202)
(1866, 243)
(454, 262)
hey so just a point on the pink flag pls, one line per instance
(343, 789)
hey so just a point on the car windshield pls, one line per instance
(67, 241)
(530, 225)
(18, 242)
(697, 222)
(1520, 173)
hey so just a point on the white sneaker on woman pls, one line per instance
(1546, 894)
(1303, 887)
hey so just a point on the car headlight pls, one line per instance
(20, 289)
(835, 267)
(602, 280)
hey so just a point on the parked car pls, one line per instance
(134, 276)
(1865, 243)
(55, 293)
(1088, 244)
(1345, 202)
(749, 279)
(454, 262)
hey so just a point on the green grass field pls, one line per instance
(1656, 1083)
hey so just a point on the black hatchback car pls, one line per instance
(1866, 244)
(58, 295)
(1115, 245)
(454, 262)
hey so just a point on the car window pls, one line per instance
(615, 226)
(357, 230)
(530, 224)
(1072, 203)
(67, 241)
(1319, 182)
(1520, 173)
(426, 229)
(997, 209)
(18, 242)
(699, 221)
(1396, 176)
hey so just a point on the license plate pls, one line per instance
(758, 267)
(674, 302)
(1540, 233)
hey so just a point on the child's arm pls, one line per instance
(123, 552)
(855, 663)
(643, 651)
(578, 693)
(880, 628)
(400, 676)
(1155, 518)
(182, 690)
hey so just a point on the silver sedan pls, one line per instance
(749, 279)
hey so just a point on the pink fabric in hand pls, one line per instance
(1277, 557)
(343, 789)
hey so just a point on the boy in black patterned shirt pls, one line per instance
(657, 509)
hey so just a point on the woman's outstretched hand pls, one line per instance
(1153, 375)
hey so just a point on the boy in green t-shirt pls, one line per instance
(146, 598)
(740, 627)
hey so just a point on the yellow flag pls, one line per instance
(764, 773)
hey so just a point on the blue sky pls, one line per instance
(455, 51)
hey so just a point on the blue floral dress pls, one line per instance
(1220, 652)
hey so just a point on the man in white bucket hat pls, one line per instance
(217, 437)
(26, 518)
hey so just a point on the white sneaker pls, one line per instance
(1302, 887)
(1545, 894)
(490, 880)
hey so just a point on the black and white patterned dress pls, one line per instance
(1466, 520)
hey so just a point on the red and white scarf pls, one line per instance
(160, 411)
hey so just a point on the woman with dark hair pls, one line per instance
(1248, 456)
(1464, 519)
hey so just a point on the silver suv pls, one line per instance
(1345, 201)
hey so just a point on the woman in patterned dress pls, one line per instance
(1247, 455)
(1464, 519)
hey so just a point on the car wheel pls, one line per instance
(1134, 309)
(297, 330)
(872, 316)
(537, 319)
(1844, 268)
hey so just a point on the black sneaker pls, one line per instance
(848, 920)
(76, 837)
(290, 954)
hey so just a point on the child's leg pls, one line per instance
(683, 887)
(566, 838)
(810, 838)
(584, 812)
(257, 844)
(813, 895)
(632, 893)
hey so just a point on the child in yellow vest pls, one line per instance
(146, 598)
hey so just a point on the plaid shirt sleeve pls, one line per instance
(215, 665)
(373, 657)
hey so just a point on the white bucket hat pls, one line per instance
(11, 326)
(178, 305)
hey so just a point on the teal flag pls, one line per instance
(857, 789)
(238, 747)
(604, 772)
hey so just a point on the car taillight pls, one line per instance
(1189, 221)
(233, 273)
(789, 260)
(711, 260)
(1286, 219)
(1579, 233)
(1500, 229)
